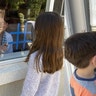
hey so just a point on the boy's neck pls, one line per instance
(85, 73)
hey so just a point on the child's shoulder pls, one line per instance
(75, 85)
(33, 55)
(8, 34)
(74, 81)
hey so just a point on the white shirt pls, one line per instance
(40, 84)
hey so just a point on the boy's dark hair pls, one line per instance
(80, 48)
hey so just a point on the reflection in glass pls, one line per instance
(20, 16)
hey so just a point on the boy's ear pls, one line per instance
(93, 61)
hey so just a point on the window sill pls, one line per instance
(12, 70)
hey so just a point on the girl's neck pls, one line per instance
(85, 73)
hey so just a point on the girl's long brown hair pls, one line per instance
(49, 30)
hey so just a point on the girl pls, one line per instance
(45, 58)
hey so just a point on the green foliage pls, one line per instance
(14, 4)
(23, 6)
(35, 6)
(21, 15)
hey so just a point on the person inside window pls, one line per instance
(5, 38)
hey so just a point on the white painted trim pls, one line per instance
(50, 5)
(13, 55)
(68, 20)
(12, 70)
(11, 73)
(62, 7)
(84, 16)
(11, 61)
(92, 7)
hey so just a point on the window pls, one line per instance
(19, 34)
(59, 7)
(92, 11)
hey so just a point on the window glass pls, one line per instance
(17, 31)
(59, 8)
(92, 11)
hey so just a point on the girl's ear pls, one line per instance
(93, 61)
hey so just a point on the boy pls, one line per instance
(5, 38)
(80, 50)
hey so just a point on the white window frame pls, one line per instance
(12, 70)
(49, 5)
(92, 7)
(62, 8)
